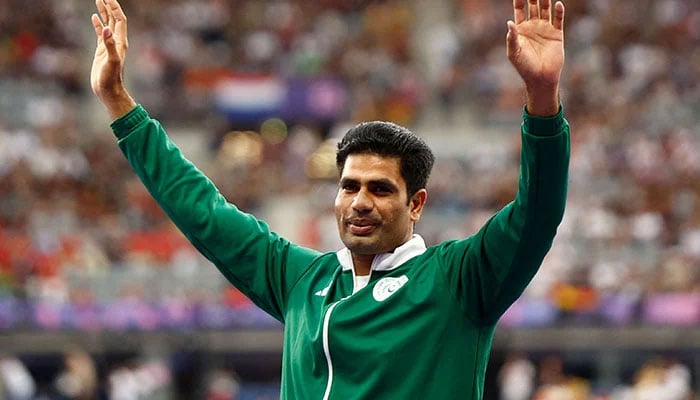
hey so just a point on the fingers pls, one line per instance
(519, 11)
(110, 26)
(104, 32)
(558, 20)
(115, 10)
(533, 9)
(524, 10)
(102, 9)
(97, 24)
(117, 18)
(546, 10)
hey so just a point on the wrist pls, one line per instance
(118, 103)
(543, 102)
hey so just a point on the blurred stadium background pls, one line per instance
(100, 298)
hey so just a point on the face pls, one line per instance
(372, 209)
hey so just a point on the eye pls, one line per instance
(382, 189)
(349, 186)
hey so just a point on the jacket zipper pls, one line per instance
(326, 347)
(326, 325)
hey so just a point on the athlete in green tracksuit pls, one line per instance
(385, 317)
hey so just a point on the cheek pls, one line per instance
(338, 207)
(398, 217)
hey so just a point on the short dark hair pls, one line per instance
(390, 140)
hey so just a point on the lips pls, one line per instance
(361, 226)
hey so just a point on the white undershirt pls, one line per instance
(360, 282)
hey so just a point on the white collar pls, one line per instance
(387, 261)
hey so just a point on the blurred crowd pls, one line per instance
(549, 378)
(80, 377)
(519, 377)
(82, 245)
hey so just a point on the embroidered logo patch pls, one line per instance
(385, 287)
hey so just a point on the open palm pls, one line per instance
(535, 42)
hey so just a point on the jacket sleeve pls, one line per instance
(489, 270)
(261, 264)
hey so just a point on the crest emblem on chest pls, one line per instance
(386, 287)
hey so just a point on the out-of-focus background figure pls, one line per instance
(516, 378)
(16, 382)
(78, 380)
(256, 92)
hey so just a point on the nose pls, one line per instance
(362, 202)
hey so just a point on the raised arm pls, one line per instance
(489, 270)
(258, 262)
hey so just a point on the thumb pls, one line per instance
(110, 44)
(512, 39)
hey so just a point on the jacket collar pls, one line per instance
(387, 261)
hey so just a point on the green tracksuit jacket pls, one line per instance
(423, 326)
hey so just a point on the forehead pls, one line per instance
(367, 167)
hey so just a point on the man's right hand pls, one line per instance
(106, 76)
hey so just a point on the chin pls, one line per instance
(361, 245)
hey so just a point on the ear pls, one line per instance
(417, 203)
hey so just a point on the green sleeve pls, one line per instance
(261, 264)
(489, 270)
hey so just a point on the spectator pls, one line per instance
(16, 383)
(78, 380)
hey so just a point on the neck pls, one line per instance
(362, 263)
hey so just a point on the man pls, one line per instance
(385, 317)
